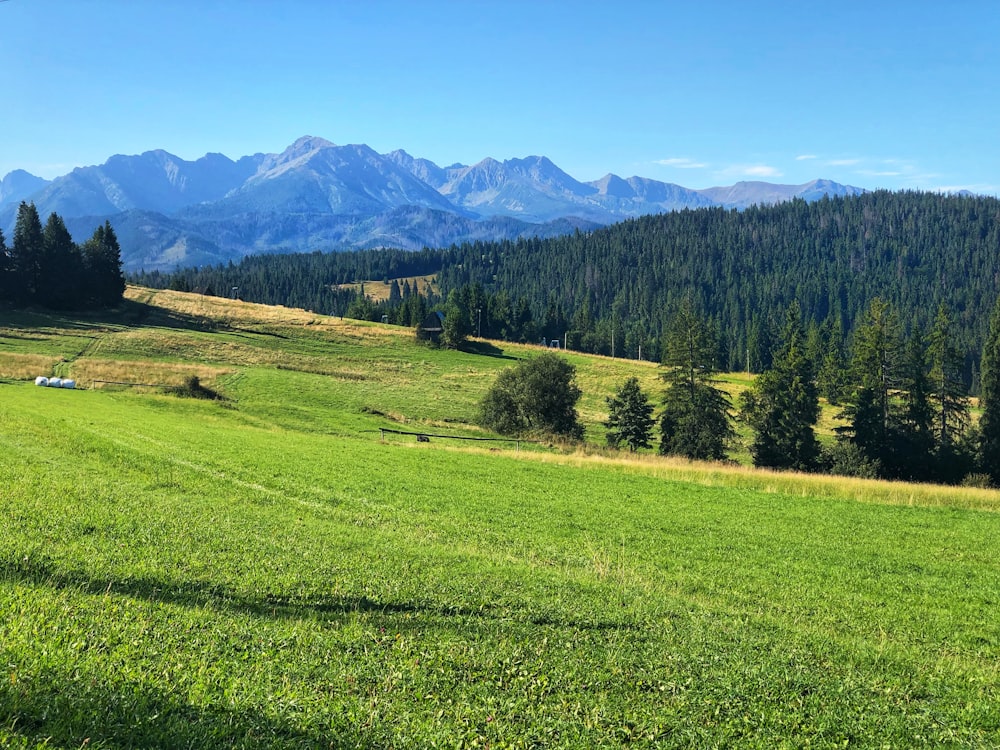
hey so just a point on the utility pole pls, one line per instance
(479, 322)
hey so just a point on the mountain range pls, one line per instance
(315, 195)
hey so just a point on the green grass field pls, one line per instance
(263, 571)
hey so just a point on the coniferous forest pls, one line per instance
(44, 267)
(612, 290)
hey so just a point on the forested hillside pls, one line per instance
(742, 268)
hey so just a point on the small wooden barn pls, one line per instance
(432, 326)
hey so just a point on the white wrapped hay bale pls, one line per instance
(67, 383)
(55, 382)
(41, 380)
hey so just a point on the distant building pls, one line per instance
(432, 327)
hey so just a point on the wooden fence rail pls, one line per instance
(427, 436)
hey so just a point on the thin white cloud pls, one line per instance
(904, 173)
(804, 157)
(748, 170)
(680, 163)
(761, 170)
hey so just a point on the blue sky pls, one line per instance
(901, 95)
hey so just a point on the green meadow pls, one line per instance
(263, 570)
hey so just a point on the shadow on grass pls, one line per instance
(129, 314)
(202, 595)
(486, 349)
(82, 710)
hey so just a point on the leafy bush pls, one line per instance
(193, 388)
(537, 395)
(978, 479)
(847, 459)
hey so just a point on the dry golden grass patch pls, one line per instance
(230, 313)
(378, 290)
(786, 482)
(88, 371)
(26, 366)
(217, 308)
(718, 474)
(191, 347)
(360, 331)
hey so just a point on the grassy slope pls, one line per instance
(265, 572)
(378, 290)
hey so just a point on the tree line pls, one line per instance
(43, 265)
(904, 405)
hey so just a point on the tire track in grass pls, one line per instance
(95, 340)
(163, 453)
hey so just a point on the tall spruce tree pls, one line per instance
(6, 273)
(630, 417)
(949, 396)
(783, 405)
(27, 254)
(913, 437)
(62, 267)
(832, 367)
(989, 423)
(395, 294)
(873, 417)
(457, 324)
(695, 422)
(103, 267)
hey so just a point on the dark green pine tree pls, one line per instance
(872, 416)
(62, 267)
(948, 396)
(832, 368)
(6, 273)
(27, 253)
(417, 309)
(782, 406)
(989, 423)
(103, 268)
(913, 437)
(630, 417)
(395, 294)
(695, 422)
(760, 345)
(456, 320)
